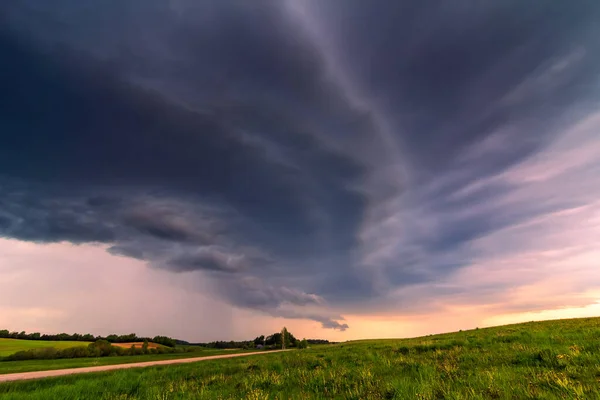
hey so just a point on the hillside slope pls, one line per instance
(540, 360)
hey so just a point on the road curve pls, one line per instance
(70, 371)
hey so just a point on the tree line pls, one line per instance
(271, 341)
(274, 340)
(88, 337)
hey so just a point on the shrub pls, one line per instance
(101, 347)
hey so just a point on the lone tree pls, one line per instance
(285, 338)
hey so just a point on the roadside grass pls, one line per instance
(10, 346)
(9, 367)
(539, 360)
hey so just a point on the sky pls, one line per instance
(214, 170)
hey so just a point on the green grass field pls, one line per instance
(10, 346)
(541, 360)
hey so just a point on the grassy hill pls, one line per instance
(539, 360)
(10, 346)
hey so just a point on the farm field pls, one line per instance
(538, 360)
(10, 346)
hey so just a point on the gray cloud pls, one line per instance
(281, 301)
(127, 251)
(312, 154)
(327, 322)
(217, 259)
(28, 216)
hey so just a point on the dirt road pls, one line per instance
(69, 371)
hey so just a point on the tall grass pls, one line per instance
(542, 360)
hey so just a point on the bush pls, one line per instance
(102, 348)
(74, 352)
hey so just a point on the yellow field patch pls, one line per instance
(137, 345)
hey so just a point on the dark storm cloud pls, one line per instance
(219, 259)
(126, 251)
(470, 90)
(32, 215)
(255, 141)
(170, 224)
(76, 124)
(5, 223)
(442, 69)
(91, 128)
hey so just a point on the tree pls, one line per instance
(273, 340)
(113, 338)
(303, 344)
(166, 341)
(259, 340)
(285, 338)
(64, 336)
(293, 340)
(145, 347)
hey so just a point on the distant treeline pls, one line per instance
(273, 340)
(88, 337)
(100, 348)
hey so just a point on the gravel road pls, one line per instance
(70, 371)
